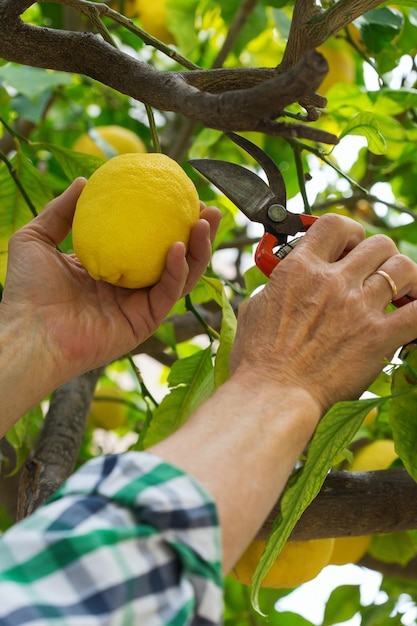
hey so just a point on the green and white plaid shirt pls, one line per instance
(128, 540)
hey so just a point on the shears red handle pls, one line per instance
(267, 256)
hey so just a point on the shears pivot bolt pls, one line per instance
(277, 213)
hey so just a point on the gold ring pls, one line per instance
(389, 281)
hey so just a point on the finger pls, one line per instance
(54, 223)
(398, 278)
(213, 216)
(402, 324)
(169, 289)
(199, 253)
(366, 258)
(331, 235)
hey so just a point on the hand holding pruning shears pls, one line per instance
(266, 203)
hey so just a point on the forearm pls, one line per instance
(242, 446)
(26, 373)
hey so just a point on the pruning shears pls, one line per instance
(260, 201)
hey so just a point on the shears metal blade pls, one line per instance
(260, 201)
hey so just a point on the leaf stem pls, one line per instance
(210, 332)
(152, 126)
(18, 184)
(144, 389)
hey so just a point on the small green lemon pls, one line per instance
(130, 212)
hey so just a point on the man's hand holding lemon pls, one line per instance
(82, 323)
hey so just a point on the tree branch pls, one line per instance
(311, 25)
(57, 450)
(355, 503)
(224, 106)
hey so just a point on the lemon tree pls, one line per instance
(132, 209)
(122, 82)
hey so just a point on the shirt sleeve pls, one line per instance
(128, 540)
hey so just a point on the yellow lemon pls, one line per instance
(371, 416)
(129, 8)
(107, 409)
(153, 17)
(130, 212)
(377, 455)
(341, 65)
(349, 549)
(107, 141)
(298, 562)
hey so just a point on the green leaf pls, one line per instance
(366, 124)
(14, 209)
(74, 164)
(192, 382)
(254, 278)
(6, 521)
(380, 614)
(382, 385)
(342, 605)
(379, 27)
(403, 410)
(393, 548)
(23, 434)
(227, 329)
(32, 81)
(334, 433)
(181, 21)
(394, 101)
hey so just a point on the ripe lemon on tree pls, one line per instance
(377, 455)
(107, 409)
(341, 64)
(129, 8)
(130, 212)
(153, 17)
(107, 141)
(298, 562)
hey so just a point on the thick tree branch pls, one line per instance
(58, 446)
(357, 503)
(230, 108)
(311, 25)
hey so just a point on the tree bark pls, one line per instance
(236, 99)
(357, 503)
(56, 453)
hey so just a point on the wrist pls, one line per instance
(280, 393)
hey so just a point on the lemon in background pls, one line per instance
(130, 212)
(111, 139)
(340, 59)
(107, 409)
(129, 8)
(298, 562)
(153, 17)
